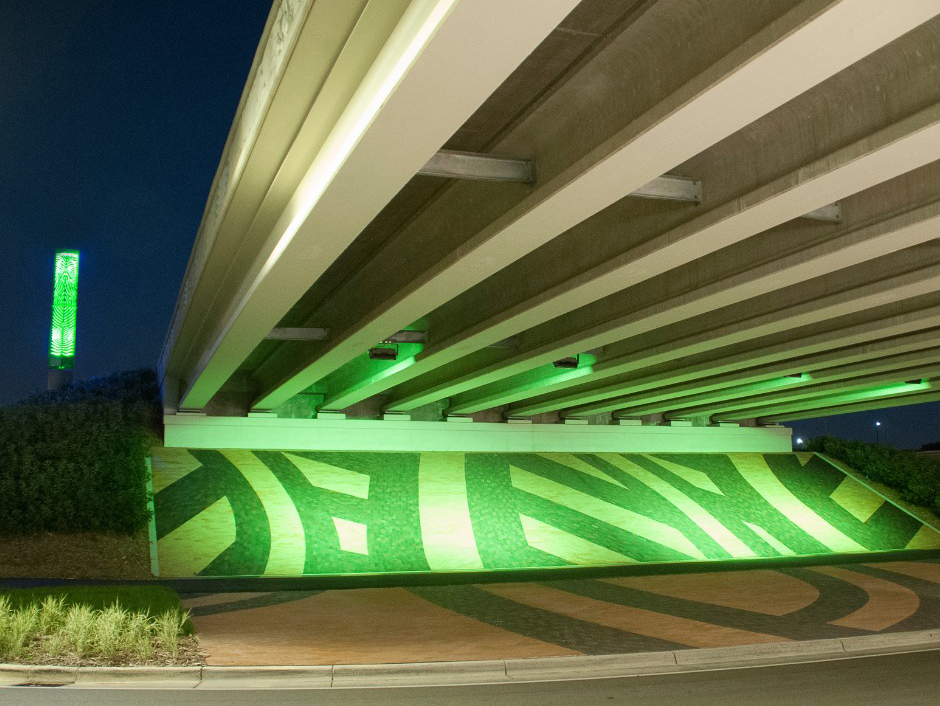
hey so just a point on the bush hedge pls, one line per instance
(916, 478)
(74, 460)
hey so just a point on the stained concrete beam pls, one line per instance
(682, 125)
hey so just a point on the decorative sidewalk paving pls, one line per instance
(567, 617)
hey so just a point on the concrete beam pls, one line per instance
(695, 117)
(858, 246)
(291, 333)
(832, 213)
(762, 339)
(452, 55)
(266, 127)
(739, 408)
(848, 170)
(884, 390)
(466, 165)
(831, 410)
(766, 370)
(671, 188)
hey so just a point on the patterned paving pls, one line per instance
(572, 617)
(281, 513)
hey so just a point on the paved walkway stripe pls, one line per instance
(757, 590)
(637, 620)
(926, 571)
(888, 603)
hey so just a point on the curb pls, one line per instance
(478, 672)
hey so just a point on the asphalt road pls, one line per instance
(897, 680)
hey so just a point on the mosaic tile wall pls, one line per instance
(285, 513)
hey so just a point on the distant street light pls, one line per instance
(799, 441)
(877, 426)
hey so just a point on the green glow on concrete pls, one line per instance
(721, 534)
(569, 547)
(333, 478)
(547, 375)
(353, 536)
(190, 548)
(363, 372)
(782, 548)
(900, 388)
(823, 410)
(286, 556)
(754, 469)
(323, 513)
(774, 411)
(446, 526)
(604, 511)
(64, 310)
(785, 381)
(350, 435)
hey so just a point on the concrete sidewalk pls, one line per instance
(472, 672)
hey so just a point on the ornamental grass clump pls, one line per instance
(168, 627)
(50, 631)
(16, 629)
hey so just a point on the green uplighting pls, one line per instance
(234, 512)
(64, 309)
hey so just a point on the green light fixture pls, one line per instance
(64, 310)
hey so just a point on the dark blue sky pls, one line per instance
(113, 115)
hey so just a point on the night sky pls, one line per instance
(113, 116)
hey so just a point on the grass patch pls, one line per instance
(96, 626)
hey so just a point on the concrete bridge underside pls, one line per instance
(724, 212)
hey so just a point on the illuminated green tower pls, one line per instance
(64, 310)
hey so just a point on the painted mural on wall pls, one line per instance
(287, 513)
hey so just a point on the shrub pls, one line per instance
(915, 477)
(74, 460)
